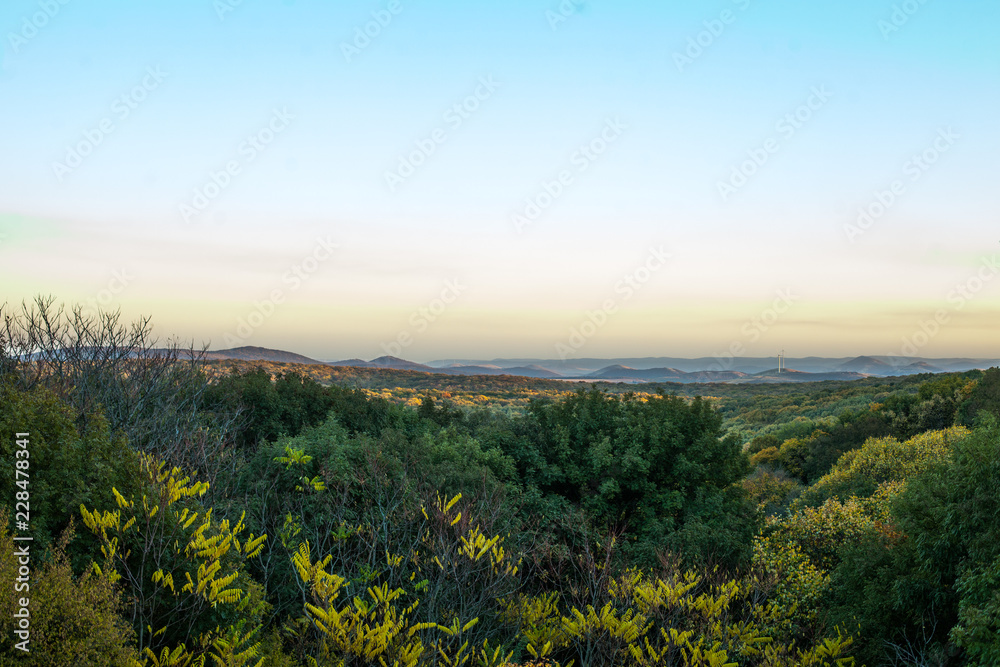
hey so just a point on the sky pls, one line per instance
(531, 178)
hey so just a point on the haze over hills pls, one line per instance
(618, 372)
(866, 365)
(532, 371)
(396, 363)
(651, 369)
(922, 367)
(250, 353)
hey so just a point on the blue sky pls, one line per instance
(178, 92)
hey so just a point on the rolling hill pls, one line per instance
(250, 353)
(684, 371)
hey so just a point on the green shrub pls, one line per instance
(69, 464)
(73, 620)
(861, 471)
(658, 468)
(983, 397)
(183, 570)
(952, 513)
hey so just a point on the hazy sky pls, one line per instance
(526, 178)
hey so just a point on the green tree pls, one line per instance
(952, 513)
(67, 464)
(183, 569)
(659, 468)
(73, 620)
(861, 471)
(984, 396)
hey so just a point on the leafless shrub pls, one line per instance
(152, 392)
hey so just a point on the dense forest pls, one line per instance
(187, 513)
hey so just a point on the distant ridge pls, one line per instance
(919, 367)
(395, 363)
(250, 353)
(868, 366)
(523, 371)
(702, 370)
(398, 364)
(792, 375)
(624, 373)
(619, 372)
(360, 363)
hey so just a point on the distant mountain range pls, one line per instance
(653, 369)
(261, 354)
(395, 363)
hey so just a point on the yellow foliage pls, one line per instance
(649, 621)
(198, 550)
(376, 630)
(800, 583)
(879, 461)
(641, 620)
(293, 457)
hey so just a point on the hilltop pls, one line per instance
(739, 370)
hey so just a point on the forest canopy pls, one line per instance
(194, 513)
